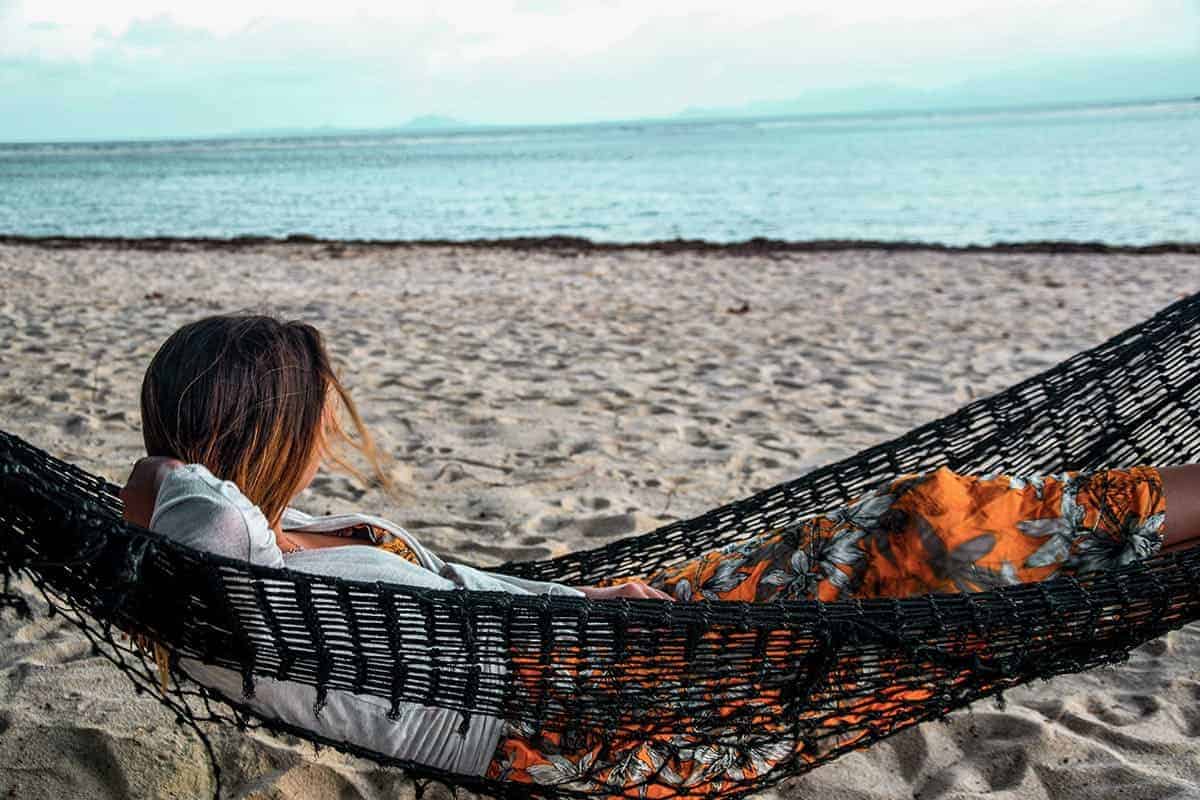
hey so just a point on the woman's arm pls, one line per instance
(632, 589)
(1181, 494)
(141, 489)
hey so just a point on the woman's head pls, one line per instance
(255, 400)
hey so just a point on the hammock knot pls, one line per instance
(694, 629)
(1049, 599)
(621, 628)
(546, 628)
(1161, 596)
(581, 625)
(935, 611)
(899, 622)
(247, 683)
(386, 600)
(473, 672)
(131, 565)
(1122, 581)
(126, 577)
(744, 625)
(979, 623)
(317, 631)
(466, 630)
(1008, 666)
(666, 614)
(760, 652)
(10, 599)
(1094, 609)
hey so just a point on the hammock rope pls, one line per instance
(684, 678)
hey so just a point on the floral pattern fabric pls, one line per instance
(933, 532)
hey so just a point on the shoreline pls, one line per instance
(756, 246)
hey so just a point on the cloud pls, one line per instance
(161, 31)
(226, 65)
(921, 30)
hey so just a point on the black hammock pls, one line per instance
(689, 678)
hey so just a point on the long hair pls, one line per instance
(255, 400)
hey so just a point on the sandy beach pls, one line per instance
(542, 400)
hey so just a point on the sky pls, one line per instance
(72, 69)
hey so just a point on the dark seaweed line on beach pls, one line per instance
(574, 244)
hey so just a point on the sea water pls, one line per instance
(1123, 174)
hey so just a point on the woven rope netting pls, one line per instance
(754, 692)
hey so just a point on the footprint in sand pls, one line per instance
(607, 525)
(79, 424)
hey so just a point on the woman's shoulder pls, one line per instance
(198, 509)
(195, 480)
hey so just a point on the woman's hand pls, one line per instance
(141, 489)
(632, 590)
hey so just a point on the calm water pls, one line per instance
(1121, 174)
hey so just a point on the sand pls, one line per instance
(539, 401)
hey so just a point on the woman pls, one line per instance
(239, 412)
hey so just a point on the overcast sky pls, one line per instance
(132, 68)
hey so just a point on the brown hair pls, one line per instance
(249, 397)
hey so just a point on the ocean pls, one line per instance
(1121, 174)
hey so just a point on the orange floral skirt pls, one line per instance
(933, 532)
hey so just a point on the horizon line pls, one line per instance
(678, 117)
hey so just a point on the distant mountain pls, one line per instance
(286, 132)
(872, 97)
(421, 123)
(426, 121)
(1048, 84)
